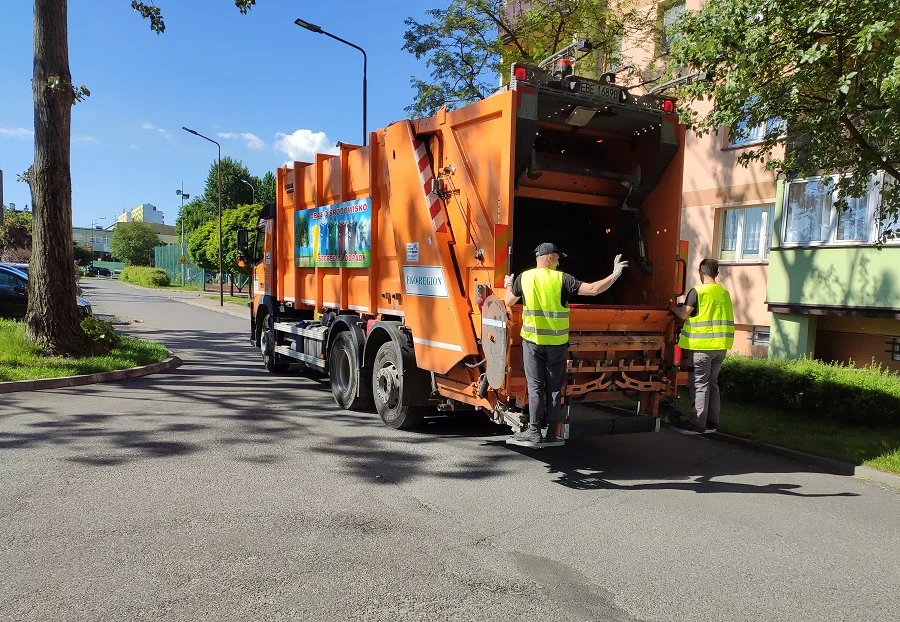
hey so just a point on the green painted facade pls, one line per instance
(848, 276)
(830, 276)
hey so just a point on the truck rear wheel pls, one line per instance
(267, 346)
(344, 373)
(387, 386)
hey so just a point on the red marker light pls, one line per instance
(519, 73)
(668, 106)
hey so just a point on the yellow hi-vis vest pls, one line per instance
(713, 326)
(545, 321)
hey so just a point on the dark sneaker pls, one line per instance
(712, 428)
(529, 437)
(686, 427)
(552, 440)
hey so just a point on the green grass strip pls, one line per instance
(20, 360)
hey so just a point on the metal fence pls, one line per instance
(168, 258)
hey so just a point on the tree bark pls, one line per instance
(52, 321)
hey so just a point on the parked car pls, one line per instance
(21, 267)
(14, 294)
(98, 271)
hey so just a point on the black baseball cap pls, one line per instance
(546, 248)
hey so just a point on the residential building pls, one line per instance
(727, 209)
(833, 294)
(95, 240)
(145, 212)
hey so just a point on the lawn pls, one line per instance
(878, 448)
(19, 360)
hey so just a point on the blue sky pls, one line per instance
(271, 90)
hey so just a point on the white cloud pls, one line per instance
(253, 141)
(134, 147)
(85, 139)
(163, 131)
(20, 133)
(302, 145)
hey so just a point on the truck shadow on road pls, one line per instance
(221, 400)
(667, 461)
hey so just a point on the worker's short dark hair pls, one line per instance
(709, 267)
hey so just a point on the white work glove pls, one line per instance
(508, 281)
(619, 265)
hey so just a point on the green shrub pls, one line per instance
(102, 332)
(867, 396)
(147, 277)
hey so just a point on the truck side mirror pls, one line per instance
(243, 237)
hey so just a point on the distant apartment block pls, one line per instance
(145, 212)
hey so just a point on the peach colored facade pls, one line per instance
(713, 182)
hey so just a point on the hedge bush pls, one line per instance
(868, 396)
(147, 277)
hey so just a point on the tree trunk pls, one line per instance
(52, 321)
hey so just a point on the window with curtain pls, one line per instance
(808, 212)
(745, 233)
(812, 218)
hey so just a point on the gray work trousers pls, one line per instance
(705, 388)
(545, 370)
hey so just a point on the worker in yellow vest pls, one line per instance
(545, 293)
(708, 333)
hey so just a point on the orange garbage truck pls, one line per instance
(383, 265)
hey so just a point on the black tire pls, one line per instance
(387, 387)
(345, 375)
(271, 360)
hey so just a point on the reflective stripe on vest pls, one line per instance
(713, 326)
(544, 320)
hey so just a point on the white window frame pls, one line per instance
(873, 196)
(757, 135)
(765, 234)
(755, 336)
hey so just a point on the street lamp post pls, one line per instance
(252, 190)
(318, 30)
(184, 195)
(219, 175)
(94, 221)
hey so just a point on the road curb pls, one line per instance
(75, 381)
(829, 465)
(241, 312)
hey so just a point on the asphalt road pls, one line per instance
(219, 492)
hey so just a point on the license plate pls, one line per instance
(596, 89)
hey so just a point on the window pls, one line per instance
(670, 16)
(750, 134)
(11, 281)
(759, 336)
(745, 234)
(811, 217)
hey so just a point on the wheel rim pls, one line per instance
(264, 343)
(387, 386)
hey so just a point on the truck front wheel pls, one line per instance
(267, 347)
(387, 386)
(344, 374)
